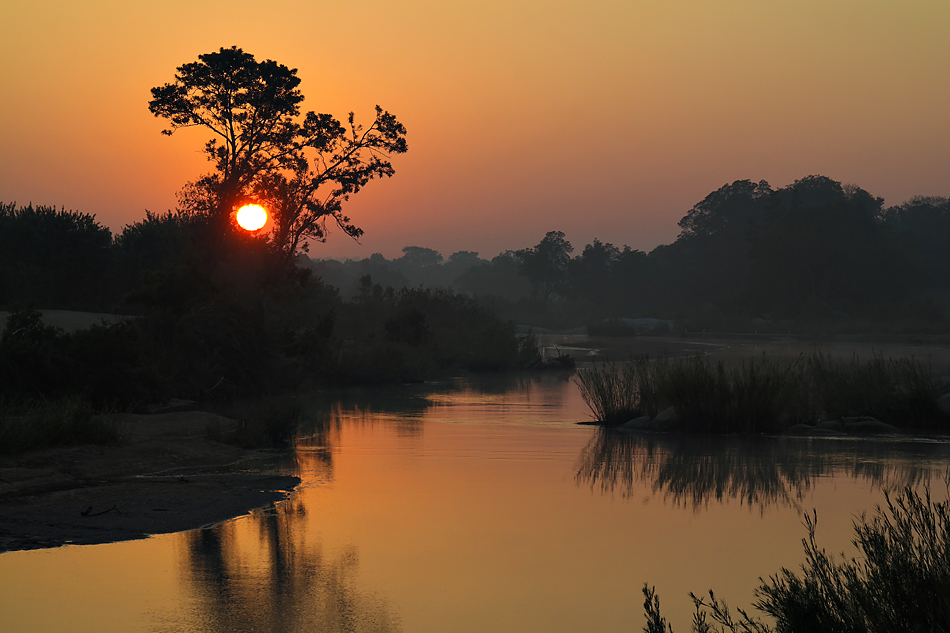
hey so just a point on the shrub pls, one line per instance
(901, 583)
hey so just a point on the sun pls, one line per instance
(251, 217)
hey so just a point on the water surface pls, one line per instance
(477, 505)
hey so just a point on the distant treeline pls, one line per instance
(814, 251)
(211, 316)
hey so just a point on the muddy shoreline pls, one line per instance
(165, 477)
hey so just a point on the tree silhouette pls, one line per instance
(545, 265)
(301, 169)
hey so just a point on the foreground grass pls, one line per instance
(901, 582)
(764, 395)
(45, 424)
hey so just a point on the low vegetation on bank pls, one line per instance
(764, 395)
(44, 424)
(901, 582)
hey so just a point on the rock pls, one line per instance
(637, 424)
(943, 403)
(810, 431)
(799, 429)
(666, 415)
(866, 425)
(830, 425)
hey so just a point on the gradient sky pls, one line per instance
(605, 119)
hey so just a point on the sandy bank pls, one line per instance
(166, 477)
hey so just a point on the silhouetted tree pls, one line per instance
(591, 274)
(825, 251)
(731, 208)
(301, 169)
(497, 278)
(418, 256)
(707, 267)
(545, 265)
(923, 223)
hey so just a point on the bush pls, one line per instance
(901, 583)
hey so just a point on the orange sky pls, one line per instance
(606, 119)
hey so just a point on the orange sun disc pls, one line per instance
(251, 217)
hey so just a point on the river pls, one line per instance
(477, 504)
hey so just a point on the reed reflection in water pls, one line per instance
(266, 573)
(693, 470)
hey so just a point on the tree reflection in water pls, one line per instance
(262, 573)
(758, 471)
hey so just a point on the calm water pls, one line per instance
(476, 505)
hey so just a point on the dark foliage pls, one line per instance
(900, 584)
(51, 257)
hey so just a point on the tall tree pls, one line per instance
(826, 252)
(302, 168)
(545, 265)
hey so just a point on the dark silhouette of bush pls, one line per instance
(53, 258)
(901, 583)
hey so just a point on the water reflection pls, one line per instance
(756, 471)
(261, 574)
(548, 396)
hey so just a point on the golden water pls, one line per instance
(475, 506)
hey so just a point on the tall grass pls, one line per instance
(43, 424)
(759, 396)
(899, 391)
(616, 392)
(901, 582)
(764, 395)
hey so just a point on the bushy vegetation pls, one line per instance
(764, 395)
(215, 317)
(36, 425)
(901, 582)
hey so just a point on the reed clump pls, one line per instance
(617, 392)
(760, 396)
(899, 391)
(763, 395)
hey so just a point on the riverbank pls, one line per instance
(166, 476)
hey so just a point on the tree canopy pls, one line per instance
(301, 168)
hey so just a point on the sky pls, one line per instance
(604, 119)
